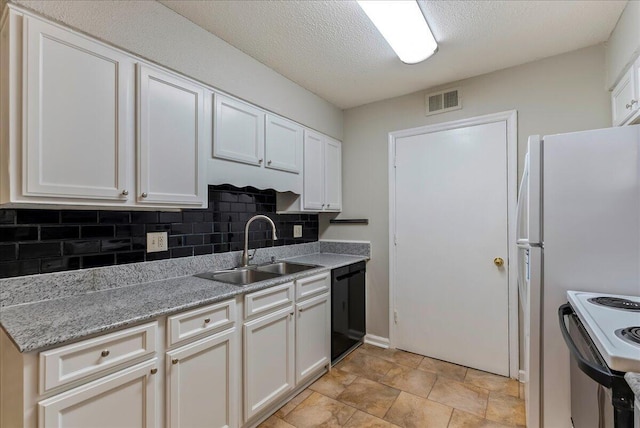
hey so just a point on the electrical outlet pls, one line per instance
(157, 241)
(297, 231)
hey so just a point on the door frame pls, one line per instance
(511, 119)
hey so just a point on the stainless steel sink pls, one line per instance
(241, 276)
(285, 268)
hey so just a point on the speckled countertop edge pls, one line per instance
(633, 379)
(40, 325)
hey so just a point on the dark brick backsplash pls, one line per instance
(43, 240)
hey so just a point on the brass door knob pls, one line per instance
(498, 261)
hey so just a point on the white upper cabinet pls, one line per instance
(78, 110)
(625, 97)
(313, 194)
(76, 98)
(332, 175)
(238, 131)
(170, 137)
(322, 173)
(283, 144)
(254, 148)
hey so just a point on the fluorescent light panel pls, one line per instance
(403, 25)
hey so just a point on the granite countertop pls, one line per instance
(39, 325)
(633, 379)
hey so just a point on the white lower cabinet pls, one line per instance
(128, 398)
(202, 383)
(313, 330)
(268, 360)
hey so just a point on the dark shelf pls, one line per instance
(349, 221)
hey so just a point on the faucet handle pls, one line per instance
(251, 256)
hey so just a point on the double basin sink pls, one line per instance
(250, 274)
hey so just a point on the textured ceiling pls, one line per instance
(333, 50)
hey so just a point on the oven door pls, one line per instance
(594, 387)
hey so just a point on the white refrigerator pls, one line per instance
(578, 229)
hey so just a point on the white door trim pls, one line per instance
(511, 118)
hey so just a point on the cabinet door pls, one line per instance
(283, 144)
(170, 139)
(238, 131)
(333, 175)
(127, 398)
(268, 360)
(313, 346)
(313, 192)
(78, 110)
(622, 99)
(202, 383)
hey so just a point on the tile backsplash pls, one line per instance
(44, 240)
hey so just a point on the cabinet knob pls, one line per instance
(207, 320)
(328, 205)
(105, 353)
(144, 194)
(125, 192)
(260, 160)
(175, 361)
(630, 105)
(269, 163)
(154, 371)
(322, 205)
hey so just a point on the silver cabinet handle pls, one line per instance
(144, 194)
(125, 192)
(630, 105)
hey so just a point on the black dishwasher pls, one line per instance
(347, 309)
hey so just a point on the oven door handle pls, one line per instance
(598, 373)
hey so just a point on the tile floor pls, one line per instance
(375, 387)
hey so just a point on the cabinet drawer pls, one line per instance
(313, 285)
(267, 300)
(78, 360)
(211, 318)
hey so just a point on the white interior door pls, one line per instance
(451, 300)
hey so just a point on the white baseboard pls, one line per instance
(521, 376)
(382, 342)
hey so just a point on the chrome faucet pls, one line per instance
(245, 252)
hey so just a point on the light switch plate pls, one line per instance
(157, 241)
(297, 231)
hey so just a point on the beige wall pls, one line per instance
(624, 44)
(151, 30)
(558, 94)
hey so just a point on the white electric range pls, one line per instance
(602, 332)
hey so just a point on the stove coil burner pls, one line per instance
(617, 303)
(630, 334)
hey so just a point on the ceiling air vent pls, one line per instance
(444, 101)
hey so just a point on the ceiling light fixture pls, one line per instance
(403, 25)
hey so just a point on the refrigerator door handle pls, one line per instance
(522, 198)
